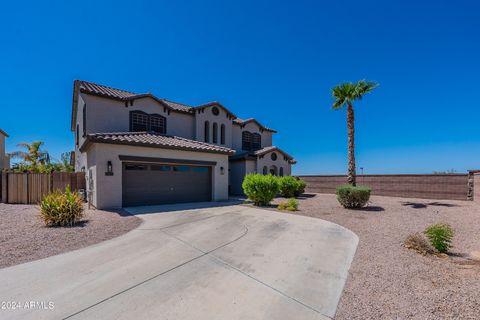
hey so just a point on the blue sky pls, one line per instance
(273, 60)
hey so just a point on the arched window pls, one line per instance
(273, 170)
(256, 141)
(281, 172)
(215, 133)
(246, 140)
(222, 134)
(265, 170)
(207, 131)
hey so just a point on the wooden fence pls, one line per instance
(29, 188)
(427, 186)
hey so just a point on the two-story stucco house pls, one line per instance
(138, 149)
(4, 158)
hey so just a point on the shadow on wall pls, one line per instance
(420, 205)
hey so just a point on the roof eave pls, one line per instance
(91, 140)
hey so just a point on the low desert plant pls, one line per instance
(61, 208)
(353, 197)
(440, 236)
(290, 205)
(419, 243)
(261, 189)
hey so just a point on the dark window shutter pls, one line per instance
(207, 131)
(84, 120)
(215, 133)
(222, 134)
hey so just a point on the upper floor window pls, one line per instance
(157, 123)
(215, 133)
(141, 121)
(246, 140)
(215, 111)
(256, 141)
(222, 134)
(207, 131)
(251, 141)
(138, 121)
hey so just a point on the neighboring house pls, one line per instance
(4, 158)
(137, 149)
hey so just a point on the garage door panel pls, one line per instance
(145, 184)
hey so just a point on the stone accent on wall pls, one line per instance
(427, 186)
(476, 187)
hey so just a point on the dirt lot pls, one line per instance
(387, 281)
(23, 236)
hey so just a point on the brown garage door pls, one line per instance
(148, 184)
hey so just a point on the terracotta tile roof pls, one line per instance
(151, 139)
(97, 89)
(254, 154)
(243, 122)
(272, 148)
(178, 106)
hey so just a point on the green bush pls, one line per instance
(291, 186)
(288, 186)
(301, 185)
(440, 236)
(290, 205)
(260, 189)
(353, 197)
(61, 208)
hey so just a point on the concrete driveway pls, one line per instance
(191, 262)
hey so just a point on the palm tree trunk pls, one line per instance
(351, 146)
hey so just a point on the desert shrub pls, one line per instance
(440, 236)
(290, 205)
(288, 186)
(300, 187)
(61, 208)
(419, 243)
(261, 189)
(353, 197)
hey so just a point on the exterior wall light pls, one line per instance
(109, 168)
(222, 170)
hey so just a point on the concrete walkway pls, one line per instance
(189, 262)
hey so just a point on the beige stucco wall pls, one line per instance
(266, 160)
(206, 114)
(253, 128)
(107, 115)
(108, 189)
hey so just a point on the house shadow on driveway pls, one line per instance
(165, 208)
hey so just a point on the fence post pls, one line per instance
(4, 187)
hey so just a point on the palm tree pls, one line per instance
(345, 94)
(33, 155)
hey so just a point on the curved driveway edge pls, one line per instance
(226, 262)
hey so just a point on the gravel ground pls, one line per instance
(387, 281)
(24, 237)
